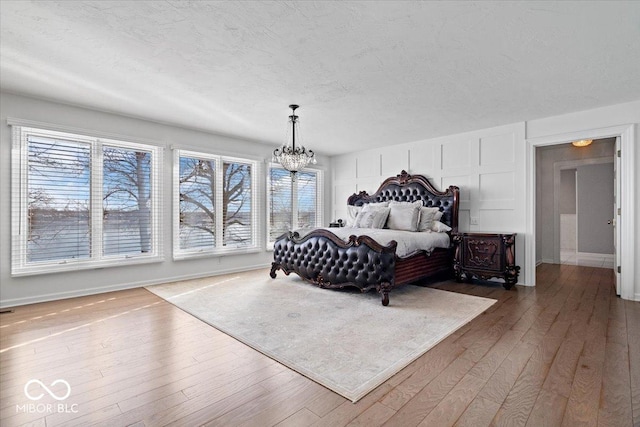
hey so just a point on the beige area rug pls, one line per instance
(346, 341)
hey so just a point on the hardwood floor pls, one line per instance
(565, 353)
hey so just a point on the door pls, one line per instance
(616, 213)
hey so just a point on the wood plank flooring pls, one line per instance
(565, 353)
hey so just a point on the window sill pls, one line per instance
(212, 254)
(68, 266)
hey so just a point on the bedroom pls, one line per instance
(479, 148)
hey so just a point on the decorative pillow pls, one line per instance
(438, 215)
(372, 217)
(404, 216)
(352, 213)
(440, 227)
(427, 216)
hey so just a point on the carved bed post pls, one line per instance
(457, 256)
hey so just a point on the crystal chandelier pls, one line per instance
(293, 158)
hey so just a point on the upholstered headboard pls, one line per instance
(409, 188)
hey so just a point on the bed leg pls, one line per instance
(274, 268)
(385, 298)
(384, 289)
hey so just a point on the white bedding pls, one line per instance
(409, 242)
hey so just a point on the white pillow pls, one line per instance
(440, 227)
(404, 217)
(427, 216)
(438, 215)
(352, 213)
(372, 217)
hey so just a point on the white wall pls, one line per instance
(491, 167)
(23, 290)
(488, 166)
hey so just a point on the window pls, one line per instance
(293, 203)
(215, 204)
(82, 202)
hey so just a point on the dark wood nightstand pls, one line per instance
(485, 255)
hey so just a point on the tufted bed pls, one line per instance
(327, 260)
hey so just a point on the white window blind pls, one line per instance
(292, 203)
(82, 202)
(215, 204)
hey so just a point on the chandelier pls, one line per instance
(293, 158)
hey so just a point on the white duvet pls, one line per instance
(409, 242)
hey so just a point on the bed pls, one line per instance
(329, 258)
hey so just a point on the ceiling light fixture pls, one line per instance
(582, 143)
(293, 158)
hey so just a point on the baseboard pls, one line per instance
(545, 261)
(608, 257)
(120, 287)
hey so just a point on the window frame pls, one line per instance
(219, 249)
(20, 266)
(319, 173)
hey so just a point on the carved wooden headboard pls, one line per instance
(409, 188)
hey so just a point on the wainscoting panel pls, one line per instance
(393, 161)
(369, 185)
(497, 186)
(456, 154)
(495, 219)
(368, 164)
(344, 168)
(461, 181)
(488, 165)
(423, 157)
(497, 149)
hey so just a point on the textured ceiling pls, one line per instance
(366, 74)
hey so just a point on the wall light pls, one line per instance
(582, 143)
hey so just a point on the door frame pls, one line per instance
(626, 199)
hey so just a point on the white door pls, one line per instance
(616, 213)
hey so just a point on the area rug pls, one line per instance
(345, 341)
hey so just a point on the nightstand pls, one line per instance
(485, 255)
(336, 224)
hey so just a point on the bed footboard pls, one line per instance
(327, 261)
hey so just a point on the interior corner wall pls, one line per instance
(488, 165)
(45, 287)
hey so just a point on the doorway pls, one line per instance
(586, 226)
(625, 245)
